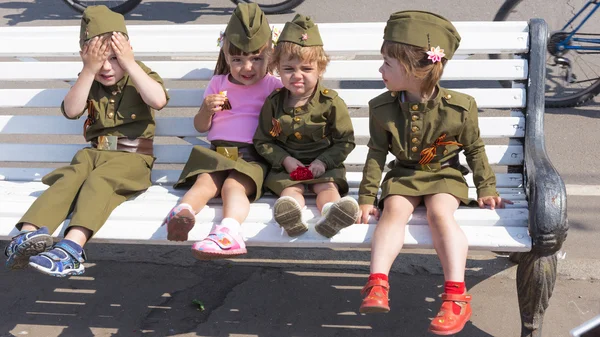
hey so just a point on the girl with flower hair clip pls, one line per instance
(425, 126)
(231, 167)
(305, 133)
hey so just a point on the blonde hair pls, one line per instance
(415, 61)
(307, 54)
(222, 67)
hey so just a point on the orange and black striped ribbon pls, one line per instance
(429, 153)
(91, 117)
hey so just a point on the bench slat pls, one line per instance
(29, 191)
(52, 98)
(509, 239)
(178, 154)
(487, 70)
(491, 127)
(154, 40)
(168, 177)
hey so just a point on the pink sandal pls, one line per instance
(180, 221)
(219, 244)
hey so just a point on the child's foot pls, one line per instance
(288, 214)
(25, 245)
(219, 244)
(447, 322)
(180, 221)
(375, 299)
(341, 214)
(64, 259)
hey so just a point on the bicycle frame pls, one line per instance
(564, 44)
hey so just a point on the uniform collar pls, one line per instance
(314, 101)
(118, 87)
(421, 106)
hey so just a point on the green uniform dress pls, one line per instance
(405, 129)
(321, 129)
(97, 181)
(206, 160)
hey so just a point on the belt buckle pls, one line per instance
(431, 167)
(107, 143)
(230, 152)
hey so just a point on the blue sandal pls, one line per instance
(27, 244)
(64, 261)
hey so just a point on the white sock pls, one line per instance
(325, 208)
(231, 224)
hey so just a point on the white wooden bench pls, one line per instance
(36, 61)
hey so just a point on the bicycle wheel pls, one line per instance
(119, 6)
(274, 6)
(572, 77)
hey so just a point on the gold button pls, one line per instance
(133, 116)
(445, 152)
(414, 149)
(414, 129)
(325, 91)
(298, 109)
(298, 135)
(448, 96)
(278, 89)
(114, 93)
(111, 100)
(415, 117)
(297, 119)
(415, 140)
(394, 94)
(415, 107)
(111, 115)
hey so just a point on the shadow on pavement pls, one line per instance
(129, 298)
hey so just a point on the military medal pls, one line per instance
(276, 129)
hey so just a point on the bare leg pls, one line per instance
(79, 235)
(29, 227)
(206, 187)
(235, 191)
(326, 192)
(296, 192)
(449, 240)
(389, 233)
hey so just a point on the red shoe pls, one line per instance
(376, 297)
(448, 323)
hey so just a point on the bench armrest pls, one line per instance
(545, 188)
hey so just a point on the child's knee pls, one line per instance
(321, 187)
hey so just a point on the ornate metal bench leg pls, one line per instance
(536, 276)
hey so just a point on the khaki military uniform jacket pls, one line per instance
(321, 129)
(119, 110)
(97, 181)
(405, 129)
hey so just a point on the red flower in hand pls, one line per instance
(301, 173)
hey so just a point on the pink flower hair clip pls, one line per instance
(220, 39)
(435, 54)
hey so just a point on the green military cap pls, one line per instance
(248, 28)
(97, 20)
(301, 30)
(422, 29)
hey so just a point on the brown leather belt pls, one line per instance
(432, 167)
(248, 153)
(113, 143)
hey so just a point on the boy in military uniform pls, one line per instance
(425, 127)
(120, 96)
(305, 126)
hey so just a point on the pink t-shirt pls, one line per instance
(239, 123)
